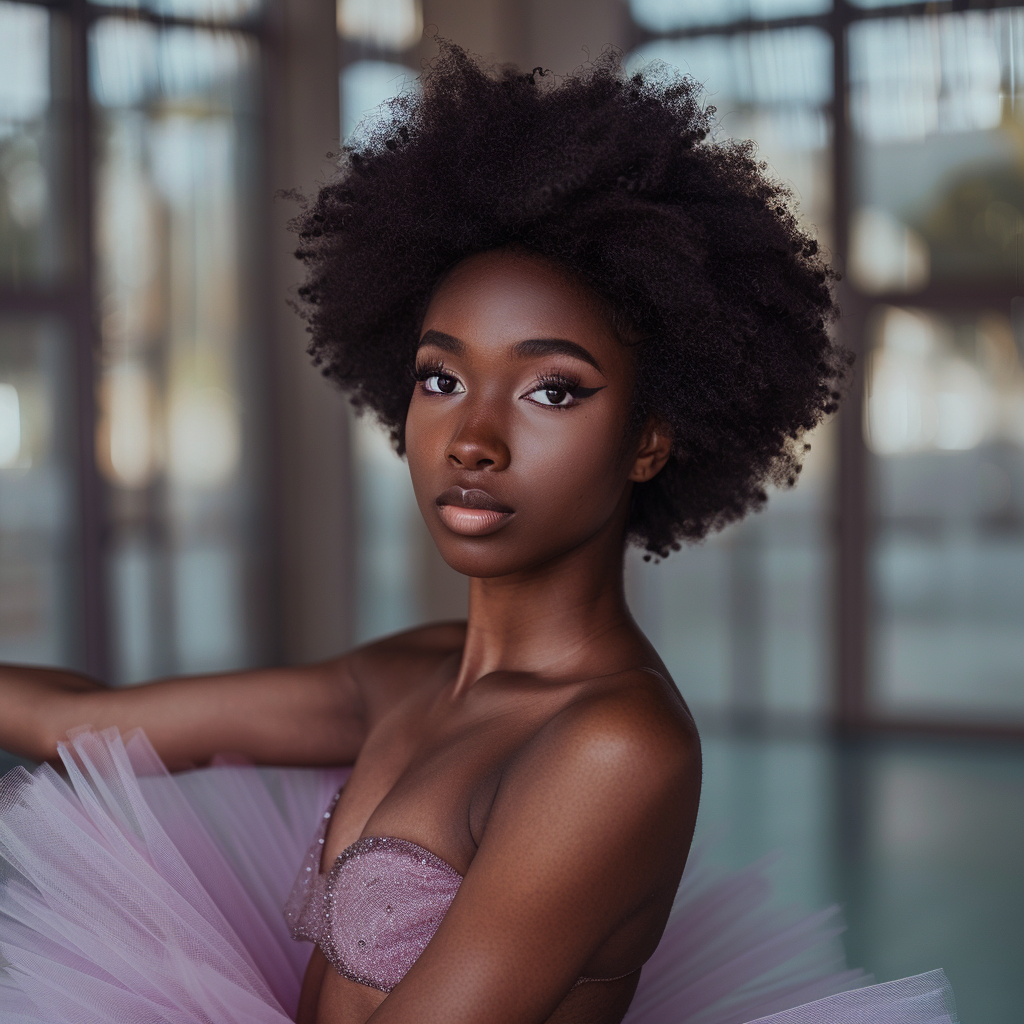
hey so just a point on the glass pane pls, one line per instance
(388, 525)
(945, 416)
(30, 219)
(772, 87)
(401, 579)
(206, 10)
(384, 24)
(365, 85)
(743, 620)
(666, 15)
(939, 198)
(939, 181)
(38, 553)
(178, 301)
(874, 4)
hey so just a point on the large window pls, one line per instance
(889, 587)
(938, 195)
(132, 532)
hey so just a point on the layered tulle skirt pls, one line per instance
(132, 896)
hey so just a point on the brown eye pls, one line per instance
(552, 395)
(442, 384)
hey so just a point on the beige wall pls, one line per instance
(313, 500)
(555, 34)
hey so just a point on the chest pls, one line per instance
(428, 774)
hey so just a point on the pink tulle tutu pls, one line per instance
(131, 896)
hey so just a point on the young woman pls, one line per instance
(584, 324)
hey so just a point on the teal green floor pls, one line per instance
(920, 841)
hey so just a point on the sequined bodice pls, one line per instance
(377, 908)
(374, 912)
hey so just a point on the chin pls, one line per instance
(503, 553)
(481, 557)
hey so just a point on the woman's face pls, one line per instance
(515, 431)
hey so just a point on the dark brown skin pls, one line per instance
(539, 748)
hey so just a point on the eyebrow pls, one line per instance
(520, 350)
(445, 342)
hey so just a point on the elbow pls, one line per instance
(52, 728)
(38, 747)
(43, 746)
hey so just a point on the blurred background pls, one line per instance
(180, 492)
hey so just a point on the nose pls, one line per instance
(478, 444)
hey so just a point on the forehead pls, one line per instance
(508, 297)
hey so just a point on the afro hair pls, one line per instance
(616, 178)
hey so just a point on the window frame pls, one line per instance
(72, 295)
(854, 520)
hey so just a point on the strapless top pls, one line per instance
(374, 912)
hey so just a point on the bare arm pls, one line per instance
(307, 715)
(312, 714)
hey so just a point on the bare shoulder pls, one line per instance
(610, 785)
(388, 669)
(628, 733)
(634, 720)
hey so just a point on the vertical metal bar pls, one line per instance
(851, 633)
(312, 453)
(95, 634)
(852, 604)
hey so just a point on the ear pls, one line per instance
(653, 453)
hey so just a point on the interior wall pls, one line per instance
(554, 34)
(315, 522)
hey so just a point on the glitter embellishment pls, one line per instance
(374, 912)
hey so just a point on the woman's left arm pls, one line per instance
(589, 830)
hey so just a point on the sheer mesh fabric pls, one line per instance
(924, 999)
(130, 896)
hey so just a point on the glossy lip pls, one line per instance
(472, 512)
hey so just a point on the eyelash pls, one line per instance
(554, 380)
(559, 382)
(426, 370)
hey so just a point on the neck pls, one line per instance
(546, 621)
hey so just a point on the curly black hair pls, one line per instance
(616, 178)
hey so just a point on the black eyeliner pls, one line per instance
(570, 385)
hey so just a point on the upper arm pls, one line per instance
(589, 827)
(304, 715)
(310, 714)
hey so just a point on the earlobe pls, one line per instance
(655, 448)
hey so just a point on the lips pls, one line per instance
(472, 512)
(474, 498)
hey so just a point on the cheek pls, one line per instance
(419, 445)
(582, 474)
